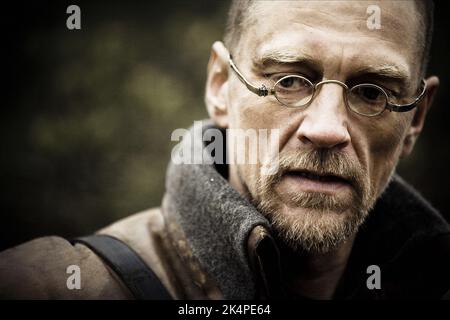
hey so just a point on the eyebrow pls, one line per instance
(387, 72)
(277, 57)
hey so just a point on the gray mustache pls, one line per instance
(321, 162)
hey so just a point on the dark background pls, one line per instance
(86, 115)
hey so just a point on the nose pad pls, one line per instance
(318, 87)
(324, 125)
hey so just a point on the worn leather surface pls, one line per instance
(37, 269)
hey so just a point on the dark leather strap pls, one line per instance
(128, 265)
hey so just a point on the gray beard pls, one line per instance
(324, 221)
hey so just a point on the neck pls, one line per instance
(315, 275)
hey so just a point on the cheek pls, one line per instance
(248, 111)
(261, 115)
(256, 113)
(384, 138)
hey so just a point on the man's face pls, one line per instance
(334, 163)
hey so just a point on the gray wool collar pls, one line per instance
(216, 220)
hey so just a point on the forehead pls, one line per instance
(331, 30)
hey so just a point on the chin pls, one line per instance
(314, 230)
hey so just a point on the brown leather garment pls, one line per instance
(37, 269)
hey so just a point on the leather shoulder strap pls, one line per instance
(128, 265)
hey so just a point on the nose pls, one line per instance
(325, 122)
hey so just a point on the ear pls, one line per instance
(217, 85)
(419, 116)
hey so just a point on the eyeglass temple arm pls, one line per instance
(261, 91)
(409, 106)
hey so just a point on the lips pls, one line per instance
(319, 177)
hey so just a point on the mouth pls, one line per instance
(311, 181)
(322, 177)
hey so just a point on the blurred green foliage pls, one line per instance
(87, 115)
(96, 109)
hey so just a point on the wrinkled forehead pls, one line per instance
(385, 31)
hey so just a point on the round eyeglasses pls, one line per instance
(366, 99)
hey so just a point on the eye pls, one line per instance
(293, 83)
(287, 82)
(370, 94)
